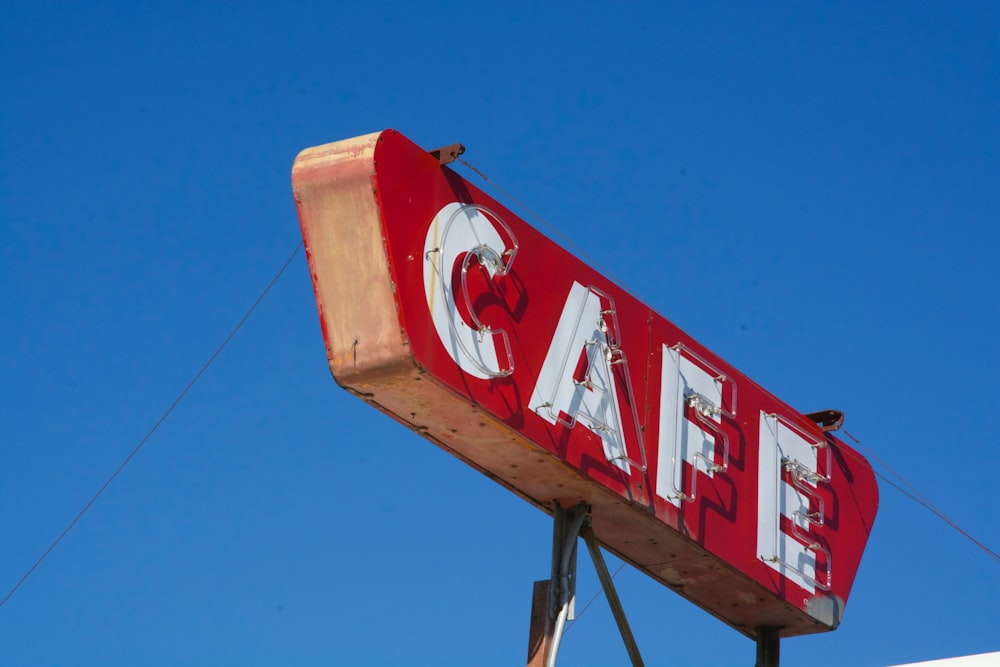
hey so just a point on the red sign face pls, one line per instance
(443, 309)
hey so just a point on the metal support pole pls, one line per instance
(546, 630)
(562, 592)
(768, 646)
(609, 591)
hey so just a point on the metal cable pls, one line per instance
(599, 593)
(156, 426)
(555, 232)
(913, 494)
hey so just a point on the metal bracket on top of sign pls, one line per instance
(448, 154)
(828, 420)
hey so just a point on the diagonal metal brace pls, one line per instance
(587, 533)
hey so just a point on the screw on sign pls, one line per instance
(499, 346)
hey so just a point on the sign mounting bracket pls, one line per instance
(553, 600)
(448, 154)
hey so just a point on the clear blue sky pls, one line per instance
(810, 189)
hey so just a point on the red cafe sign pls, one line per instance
(446, 311)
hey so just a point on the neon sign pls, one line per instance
(446, 311)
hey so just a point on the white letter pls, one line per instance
(592, 399)
(685, 383)
(791, 553)
(467, 232)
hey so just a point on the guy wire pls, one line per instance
(155, 427)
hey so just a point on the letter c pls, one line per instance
(472, 234)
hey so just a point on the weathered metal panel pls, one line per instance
(446, 311)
